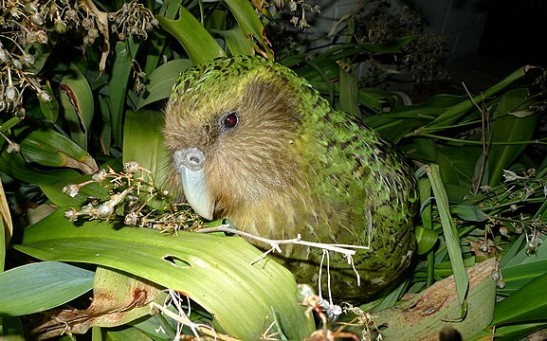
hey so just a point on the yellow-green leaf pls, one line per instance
(217, 272)
(37, 287)
(77, 103)
(449, 231)
(49, 148)
(143, 142)
(194, 38)
(161, 81)
(250, 24)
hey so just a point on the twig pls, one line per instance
(183, 319)
(486, 125)
(344, 249)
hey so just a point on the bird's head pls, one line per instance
(232, 127)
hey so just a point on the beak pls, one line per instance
(189, 163)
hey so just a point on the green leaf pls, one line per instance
(425, 236)
(4, 240)
(426, 239)
(194, 38)
(77, 102)
(519, 268)
(37, 287)
(215, 271)
(49, 148)
(236, 41)
(245, 15)
(54, 191)
(349, 92)
(125, 53)
(453, 113)
(393, 46)
(123, 334)
(469, 213)
(15, 166)
(515, 277)
(457, 166)
(50, 109)
(391, 299)
(527, 305)
(161, 81)
(8, 124)
(516, 332)
(143, 142)
(156, 326)
(509, 128)
(373, 98)
(11, 329)
(450, 232)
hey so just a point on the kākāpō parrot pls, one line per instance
(253, 142)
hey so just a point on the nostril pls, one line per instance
(192, 158)
(195, 160)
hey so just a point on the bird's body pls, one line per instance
(256, 144)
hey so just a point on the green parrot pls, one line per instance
(254, 143)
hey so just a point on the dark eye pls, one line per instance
(229, 120)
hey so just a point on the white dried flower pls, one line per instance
(13, 148)
(100, 176)
(131, 219)
(71, 214)
(131, 167)
(103, 211)
(71, 190)
(509, 175)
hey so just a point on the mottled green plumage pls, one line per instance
(292, 165)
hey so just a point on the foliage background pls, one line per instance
(83, 85)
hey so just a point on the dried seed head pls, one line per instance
(71, 190)
(13, 148)
(87, 23)
(71, 214)
(4, 55)
(104, 211)
(131, 219)
(93, 33)
(41, 37)
(293, 6)
(100, 176)
(17, 64)
(131, 167)
(27, 59)
(44, 96)
(60, 26)
(71, 15)
(37, 19)
(11, 93)
(21, 113)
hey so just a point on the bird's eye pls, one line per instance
(229, 120)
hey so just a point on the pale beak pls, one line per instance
(189, 163)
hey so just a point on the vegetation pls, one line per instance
(84, 206)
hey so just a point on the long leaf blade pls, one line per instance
(215, 271)
(194, 38)
(40, 286)
(161, 81)
(77, 103)
(143, 142)
(509, 128)
(520, 308)
(450, 232)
